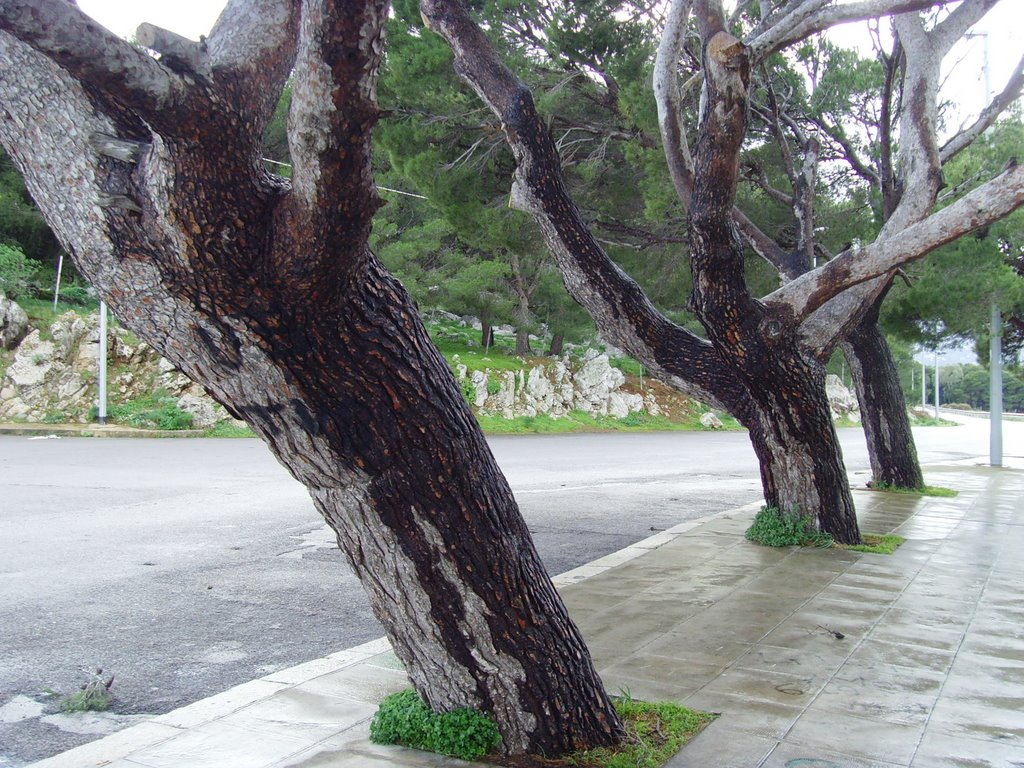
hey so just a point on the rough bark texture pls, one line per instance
(268, 296)
(883, 408)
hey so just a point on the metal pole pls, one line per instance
(924, 385)
(101, 413)
(995, 390)
(56, 287)
(936, 384)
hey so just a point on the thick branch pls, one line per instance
(982, 206)
(64, 34)
(666, 93)
(988, 115)
(807, 18)
(333, 111)
(256, 41)
(953, 27)
(673, 135)
(624, 314)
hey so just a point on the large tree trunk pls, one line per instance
(802, 469)
(523, 342)
(883, 408)
(268, 296)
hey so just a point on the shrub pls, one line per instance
(18, 273)
(404, 719)
(773, 528)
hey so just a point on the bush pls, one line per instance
(773, 528)
(158, 410)
(404, 719)
(18, 273)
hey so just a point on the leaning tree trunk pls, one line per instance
(883, 408)
(268, 295)
(789, 420)
(753, 367)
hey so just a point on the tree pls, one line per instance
(265, 291)
(949, 296)
(763, 360)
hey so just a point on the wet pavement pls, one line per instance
(814, 658)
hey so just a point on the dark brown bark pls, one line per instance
(555, 348)
(883, 408)
(253, 289)
(523, 342)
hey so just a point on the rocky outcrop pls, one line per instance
(593, 386)
(13, 323)
(841, 400)
(53, 376)
(710, 421)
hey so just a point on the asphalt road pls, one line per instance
(184, 567)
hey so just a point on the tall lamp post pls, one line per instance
(101, 410)
(995, 392)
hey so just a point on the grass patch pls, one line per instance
(654, 732)
(772, 528)
(928, 490)
(930, 421)
(157, 410)
(228, 429)
(41, 315)
(580, 421)
(876, 543)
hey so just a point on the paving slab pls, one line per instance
(811, 658)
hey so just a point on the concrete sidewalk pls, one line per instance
(929, 671)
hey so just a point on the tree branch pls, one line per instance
(669, 100)
(333, 111)
(953, 27)
(624, 313)
(127, 75)
(989, 202)
(805, 18)
(987, 117)
(255, 40)
(673, 135)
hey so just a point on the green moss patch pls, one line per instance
(928, 490)
(876, 543)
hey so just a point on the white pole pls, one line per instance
(56, 287)
(995, 389)
(936, 384)
(101, 413)
(924, 385)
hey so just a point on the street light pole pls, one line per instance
(101, 410)
(995, 391)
